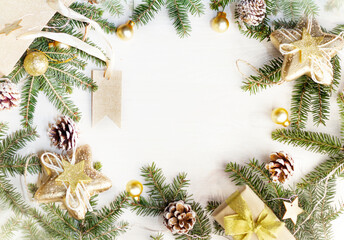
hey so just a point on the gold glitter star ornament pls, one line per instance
(71, 184)
(307, 51)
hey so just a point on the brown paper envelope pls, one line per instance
(34, 13)
(256, 206)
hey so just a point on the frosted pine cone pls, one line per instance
(179, 217)
(251, 12)
(281, 167)
(9, 96)
(64, 133)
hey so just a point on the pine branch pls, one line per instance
(177, 189)
(217, 228)
(148, 207)
(340, 101)
(18, 72)
(56, 96)
(31, 231)
(195, 7)
(114, 7)
(242, 175)
(269, 75)
(107, 216)
(320, 101)
(312, 141)
(219, 5)
(146, 11)
(9, 227)
(113, 232)
(155, 181)
(323, 170)
(178, 12)
(16, 165)
(29, 101)
(160, 236)
(3, 129)
(300, 102)
(16, 141)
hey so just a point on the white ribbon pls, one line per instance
(73, 41)
(82, 195)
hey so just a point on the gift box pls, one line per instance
(20, 17)
(260, 213)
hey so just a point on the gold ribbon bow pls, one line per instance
(241, 226)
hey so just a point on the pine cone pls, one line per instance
(93, 1)
(64, 133)
(281, 167)
(9, 96)
(251, 12)
(179, 217)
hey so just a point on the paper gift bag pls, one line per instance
(256, 206)
(20, 16)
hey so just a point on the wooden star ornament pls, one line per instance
(11, 27)
(292, 210)
(53, 187)
(307, 51)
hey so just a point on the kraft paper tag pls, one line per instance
(107, 100)
(34, 15)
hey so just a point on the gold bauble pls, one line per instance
(280, 116)
(36, 63)
(134, 188)
(126, 31)
(220, 22)
(59, 45)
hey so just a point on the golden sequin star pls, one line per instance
(11, 27)
(292, 210)
(307, 51)
(73, 174)
(51, 189)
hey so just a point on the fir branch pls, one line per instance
(114, 7)
(107, 216)
(300, 102)
(312, 141)
(9, 227)
(323, 170)
(155, 181)
(268, 75)
(242, 175)
(195, 7)
(320, 104)
(219, 5)
(16, 165)
(147, 207)
(56, 95)
(18, 72)
(146, 11)
(29, 101)
(160, 236)
(177, 189)
(340, 101)
(113, 232)
(31, 231)
(178, 12)
(3, 129)
(16, 141)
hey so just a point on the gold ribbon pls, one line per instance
(241, 226)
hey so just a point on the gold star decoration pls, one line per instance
(50, 187)
(292, 210)
(73, 174)
(307, 51)
(11, 27)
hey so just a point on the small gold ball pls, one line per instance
(126, 31)
(220, 22)
(36, 63)
(134, 188)
(61, 45)
(280, 116)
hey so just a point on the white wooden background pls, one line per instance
(183, 109)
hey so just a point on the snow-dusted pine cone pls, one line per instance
(179, 218)
(9, 95)
(281, 167)
(251, 12)
(64, 133)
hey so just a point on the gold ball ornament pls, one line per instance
(126, 31)
(220, 22)
(280, 116)
(59, 45)
(134, 188)
(36, 63)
